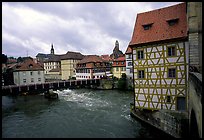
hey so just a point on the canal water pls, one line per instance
(78, 113)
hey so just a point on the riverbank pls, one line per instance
(170, 123)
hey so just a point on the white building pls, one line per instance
(129, 67)
(28, 72)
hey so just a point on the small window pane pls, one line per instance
(172, 73)
(171, 51)
(168, 99)
(140, 54)
(141, 74)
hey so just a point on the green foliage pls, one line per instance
(122, 82)
(20, 59)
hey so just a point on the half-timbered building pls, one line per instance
(160, 59)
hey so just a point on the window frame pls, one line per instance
(172, 53)
(170, 74)
(129, 63)
(142, 76)
(139, 55)
(168, 99)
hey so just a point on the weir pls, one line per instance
(18, 89)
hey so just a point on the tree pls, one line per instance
(4, 58)
(122, 82)
(20, 59)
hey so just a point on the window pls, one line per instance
(147, 26)
(172, 73)
(31, 73)
(39, 79)
(32, 80)
(129, 63)
(140, 54)
(116, 63)
(140, 74)
(129, 56)
(131, 70)
(172, 51)
(38, 72)
(117, 69)
(172, 21)
(24, 80)
(24, 73)
(122, 63)
(168, 99)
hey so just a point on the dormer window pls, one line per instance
(172, 22)
(30, 66)
(147, 26)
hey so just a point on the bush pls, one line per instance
(122, 82)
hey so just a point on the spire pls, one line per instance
(52, 49)
(116, 45)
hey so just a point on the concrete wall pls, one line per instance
(195, 104)
(194, 14)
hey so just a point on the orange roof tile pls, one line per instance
(29, 65)
(91, 58)
(118, 62)
(120, 59)
(160, 29)
(129, 50)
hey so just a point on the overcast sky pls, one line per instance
(29, 28)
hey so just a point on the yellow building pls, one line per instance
(118, 67)
(160, 59)
(68, 64)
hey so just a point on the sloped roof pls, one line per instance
(91, 58)
(72, 55)
(160, 29)
(29, 65)
(106, 57)
(120, 59)
(53, 58)
(128, 50)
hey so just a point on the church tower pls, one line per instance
(52, 49)
(116, 52)
(116, 45)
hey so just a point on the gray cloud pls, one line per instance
(88, 27)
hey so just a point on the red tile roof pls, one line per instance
(129, 50)
(118, 62)
(120, 59)
(28, 65)
(91, 58)
(106, 57)
(160, 30)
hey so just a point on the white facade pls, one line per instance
(28, 77)
(51, 65)
(129, 67)
(91, 75)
